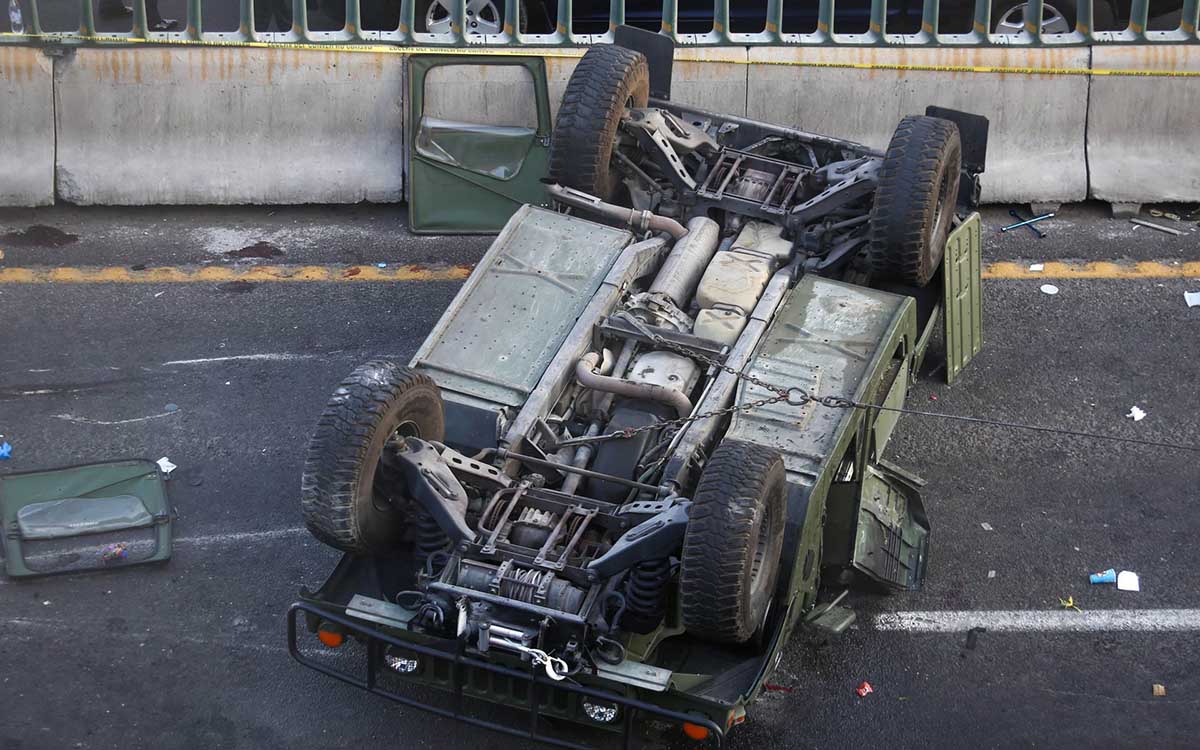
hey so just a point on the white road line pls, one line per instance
(85, 420)
(1065, 621)
(211, 540)
(267, 357)
(207, 540)
(60, 626)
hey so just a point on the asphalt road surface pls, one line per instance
(191, 654)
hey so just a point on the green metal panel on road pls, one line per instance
(511, 316)
(92, 499)
(963, 302)
(467, 177)
(891, 540)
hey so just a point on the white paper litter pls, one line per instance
(1049, 289)
(991, 574)
(1191, 298)
(1136, 414)
(165, 465)
(986, 526)
(1037, 266)
(1127, 580)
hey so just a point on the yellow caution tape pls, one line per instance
(388, 49)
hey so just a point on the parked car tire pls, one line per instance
(914, 203)
(349, 498)
(608, 80)
(731, 550)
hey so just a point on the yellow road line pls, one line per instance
(217, 274)
(1094, 270)
(401, 273)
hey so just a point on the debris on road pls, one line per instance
(165, 465)
(991, 574)
(973, 637)
(1159, 690)
(1049, 289)
(1068, 603)
(864, 689)
(1127, 580)
(1028, 222)
(5, 450)
(986, 526)
(771, 687)
(1039, 267)
(1191, 298)
(1136, 414)
(1104, 576)
(352, 272)
(381, 265)
(1159, 227)
(114, 553)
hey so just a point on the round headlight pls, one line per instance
(601, 712)
(402, 664)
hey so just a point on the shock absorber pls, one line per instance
(430, 539)
(646, 595)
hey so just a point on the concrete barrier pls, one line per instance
(1035, 147)
(253, 125)
(213, 125)
(1142, 132)
(26, 127)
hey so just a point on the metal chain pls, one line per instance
(794, 396)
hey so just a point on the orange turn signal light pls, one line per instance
(330, 638)
(695, 731)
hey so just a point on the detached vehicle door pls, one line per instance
(479, 140)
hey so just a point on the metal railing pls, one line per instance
(1032, 32)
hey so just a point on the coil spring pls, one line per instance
(430, 539)
(523, 585)
(646, 595)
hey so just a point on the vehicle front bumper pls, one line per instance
(470, 680)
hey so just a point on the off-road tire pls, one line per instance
(914, 203)
(734, 538)
(607, 80)
(345, 502)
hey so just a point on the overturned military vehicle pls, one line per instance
(645, 441)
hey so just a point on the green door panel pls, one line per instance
(491, 151)
(466, 177)
(891, 539)
(962, 304)
(98, 500)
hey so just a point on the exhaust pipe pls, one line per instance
(641, 221)
(584, 373)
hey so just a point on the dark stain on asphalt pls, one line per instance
(39, 235)
(259, 249)
(236, 287)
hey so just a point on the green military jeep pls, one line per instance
(645, 442)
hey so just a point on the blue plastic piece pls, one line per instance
(5, 450)
(1105, 576)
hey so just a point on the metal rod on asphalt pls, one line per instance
(1159, 227)
(1040, 234)
(1027, 222)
